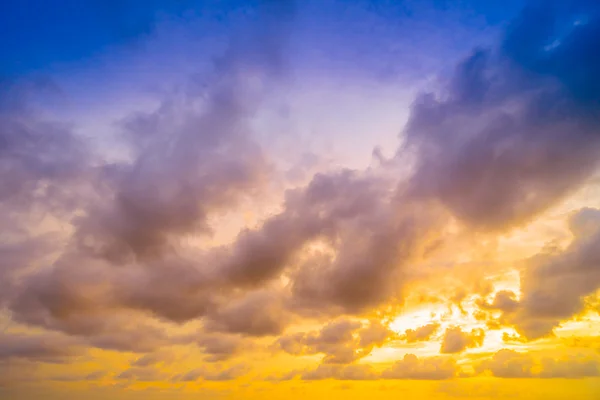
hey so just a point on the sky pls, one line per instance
(275, 199)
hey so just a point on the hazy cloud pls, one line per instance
(220, 347)
(50, 347)
(341, 342)
(215, 374)
(456, 341)
(412, 367)
(511, 364)
(422, 333)
(359, 372)
(555, 283)
(515, 131)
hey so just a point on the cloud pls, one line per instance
(341, 342)
(349, 212)
(422, 333)
(504, 300)
(192, 157)
(142, 374)
(569, 367)
(50, 347)
(456, 341)
(257, 314)
(375, 334)
(514, 132)
(378, 238)
(80, 301)
(358, 372)
(40, 160)
(555, 283)
(151, 359)
(287, 376)
(411, 367)
(43, 171)
(220, 347)
(511, 364)
(92, 376)
(214, 374)
(187, 171)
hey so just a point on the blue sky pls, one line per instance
(109, 58)
(38, 35)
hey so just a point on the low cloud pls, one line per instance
(512, 364)
(256, 314)
(504, 300)
(89, 377)
(555, 283)
(456, 341)
(151, 359)
(221, 347)
(213, 374)
(514, 132)
(357, 372)
(412, 367)
(341, 342)
(421, 334)
(409, 368)
(49, 347)
(142, 374)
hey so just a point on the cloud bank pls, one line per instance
(97, 253)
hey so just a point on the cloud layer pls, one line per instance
(120, 255)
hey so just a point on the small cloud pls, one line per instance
(456, 341)
(412, 367)
(422, 333)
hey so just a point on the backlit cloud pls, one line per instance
(201, 225)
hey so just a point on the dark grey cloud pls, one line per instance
(79, 377)
(357, 372)
(192, 157)
(155, 358)
(517, 128)
(422, 333)
(142, 374)
(455, 340)
(43, 172)
(82, 302)
(555, 283)
(373, 237)
(40, 158)
(412, 367)
(256, 314)
(512, 364)
(49, 347)
(341, 342)
(504, 300)
(348, 211)
(213, 374)
(220, 347)
(190, 160)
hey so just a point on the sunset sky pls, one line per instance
(278, 199)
